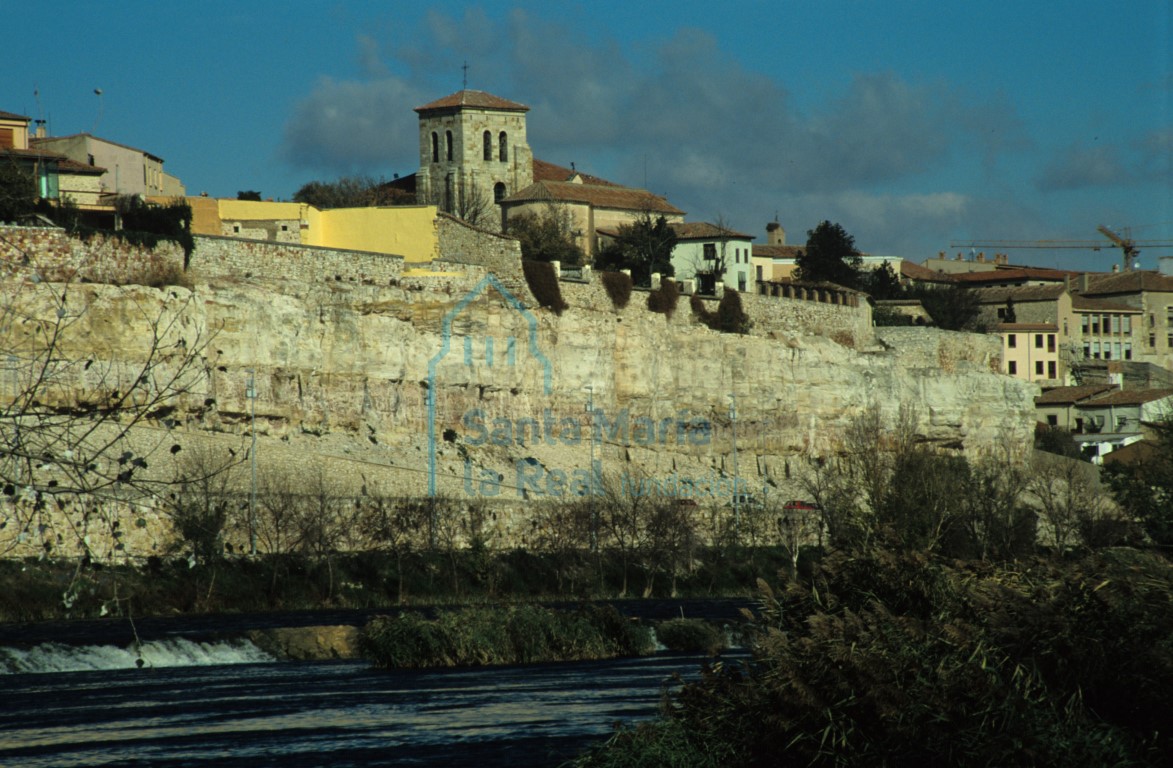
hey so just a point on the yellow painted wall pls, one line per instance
(244, 210)
(407, 231)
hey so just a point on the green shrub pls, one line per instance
(618, 286)
(509, 635)
(543, 284)
(690, 636)
(665, 299)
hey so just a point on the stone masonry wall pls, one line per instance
(235, 257)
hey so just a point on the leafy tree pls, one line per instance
(545, 236)
(1144, 488)
(882, 282)
(953, 308)
(830, 256)
(349, 192)
(249, 194)
(644, 247)
(18, 191)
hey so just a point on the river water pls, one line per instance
(203, 701)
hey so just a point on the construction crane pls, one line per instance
(1129, 247)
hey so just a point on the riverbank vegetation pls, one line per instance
(519, 634)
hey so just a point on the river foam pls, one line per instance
(176, 652)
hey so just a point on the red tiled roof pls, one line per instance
(1129, 397)
(63, 162)
(776, 251)
(622, 198)
(1069, 395)
(474, 99)
(1020, 293)
(1017, 274)
(1133, 281)
(914, 271)
(1100, 305)
(544, 171)
(703, 230)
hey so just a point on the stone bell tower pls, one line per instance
(473, 153)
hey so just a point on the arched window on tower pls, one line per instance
(435, 147)
(498, 192)
(488, 146)
(448, 138)
(503, 147)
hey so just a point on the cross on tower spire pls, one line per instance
(465, 68)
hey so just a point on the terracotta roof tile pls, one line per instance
(776, 251)
(474, 99)
(1134, 281)
(703, 230)
(1017, 274)
(1129, 397)
(1020, 293)
(624, 198)
(1069, 395)
(544, 171)
(914, 271)
(1101, 305)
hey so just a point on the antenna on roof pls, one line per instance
(464, 86)
(98, 119)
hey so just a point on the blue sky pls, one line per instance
(913, 124)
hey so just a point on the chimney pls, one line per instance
(39, 133)
(1115, 268)
(775, 234)
(1083, 282)
(981, 257)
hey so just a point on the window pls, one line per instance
(1079, 425)
(8, 140)
(1083, 324)
(741, 281)
(1050, 342)
(1115, 324)
(1052, 420)
(1096, 350)
(1052, 373)
(1116, 350)
(1012, 340)
(1038, 341)
(1012, 368)
(1038, 368)
(236, 229)
(435, 147)
(448, 140)
(1087, 350)
(503, 147)
(759, 271)
(1096, 324)
(1152, 340)
(498, 192)
(710, 251)
(1128, 350)
(1127, 324)
(488, 146)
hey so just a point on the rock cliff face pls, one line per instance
(449, 382)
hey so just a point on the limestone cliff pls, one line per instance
(450, 379)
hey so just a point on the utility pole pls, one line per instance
(251, 393)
